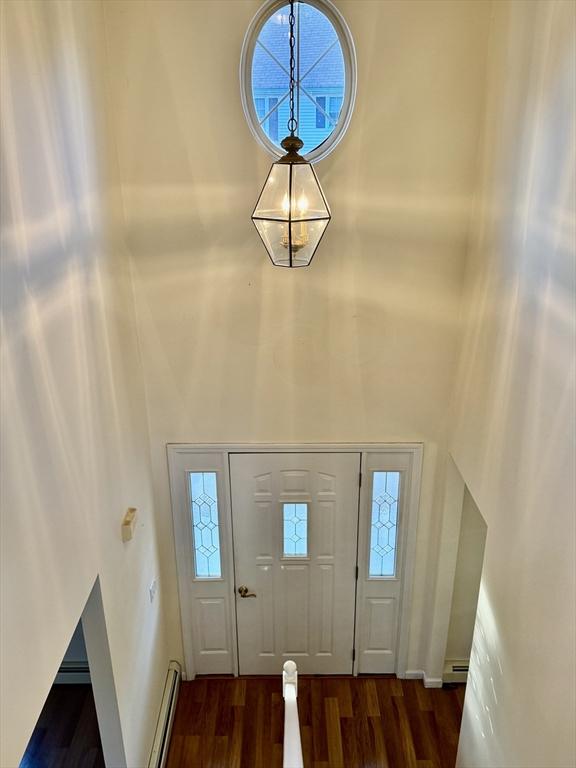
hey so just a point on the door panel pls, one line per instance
(382, 540)
(380, 626)
(202, 541)
(304, 604)
(213, 622)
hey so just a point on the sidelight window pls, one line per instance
(384, 524)
(205, 525)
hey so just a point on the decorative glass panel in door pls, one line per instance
(384, 523)
(205, 525)
(295, 518)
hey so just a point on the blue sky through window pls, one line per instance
(319, 70)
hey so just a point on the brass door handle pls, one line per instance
(243, 592)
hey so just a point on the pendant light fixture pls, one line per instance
(291, 214)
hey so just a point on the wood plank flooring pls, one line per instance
(66, 735)
(346, 722)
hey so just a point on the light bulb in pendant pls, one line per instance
(291, 214)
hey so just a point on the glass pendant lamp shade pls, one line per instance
(291, 214)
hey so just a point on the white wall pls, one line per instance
(514, 435)
(74, 436)
(363, 345)
(466, 581)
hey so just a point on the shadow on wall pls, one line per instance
(514, 414)
(75, 448)
(467, 580)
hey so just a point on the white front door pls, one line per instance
(295, 522)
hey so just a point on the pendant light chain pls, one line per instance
(291, 214)
(292, 122)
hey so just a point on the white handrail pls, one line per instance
(292, 742)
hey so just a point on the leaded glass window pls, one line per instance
(295, 517)
(205, 525)
(384, 524)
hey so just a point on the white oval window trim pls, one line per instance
(348, 53)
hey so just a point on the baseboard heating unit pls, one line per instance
(455, 670)
(159, 753)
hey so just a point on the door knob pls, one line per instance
(243, 592)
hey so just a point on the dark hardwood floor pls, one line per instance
(66, 735)
(346, 722)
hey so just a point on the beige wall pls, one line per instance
(514, 436)
(360, 347)
(74, 436)
(470, 555)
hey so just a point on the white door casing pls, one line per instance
(303, 604)
(209, 606)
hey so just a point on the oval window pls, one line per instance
(325, 76)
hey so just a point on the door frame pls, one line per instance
(190, 457)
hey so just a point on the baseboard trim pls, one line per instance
(419, 674)
(432, 682)
(413, 674)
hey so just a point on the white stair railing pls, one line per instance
(292, 742)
